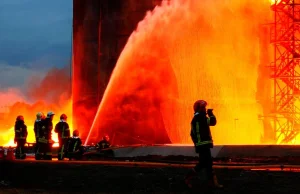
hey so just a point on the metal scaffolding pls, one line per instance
(285, 36)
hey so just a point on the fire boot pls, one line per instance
(214, 183)
(189, 177)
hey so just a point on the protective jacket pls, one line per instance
(37, 128)
(49, 127)
(20, 130)
(74, 144)
(62, 129)
(200, 129)
(45, 132)
(103, 144)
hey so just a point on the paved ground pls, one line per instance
(42, 178)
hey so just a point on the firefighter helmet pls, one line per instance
(20, 118)
(63, 116)
(40, 115)
(199, 104)
(50, 113)
(76, 133)
(106, 137)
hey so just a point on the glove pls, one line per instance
(210, 112)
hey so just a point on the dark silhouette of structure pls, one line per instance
(100, 31)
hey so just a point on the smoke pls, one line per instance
(55, 87)
(8, 97)
(40, 91)
(12, 76)
(26, 84)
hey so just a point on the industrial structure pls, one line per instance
(285, 36)
(100, 32)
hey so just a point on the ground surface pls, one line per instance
(43, 178)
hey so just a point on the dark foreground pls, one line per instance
(43, 178)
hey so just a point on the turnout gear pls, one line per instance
(38, 124)
(49, 114)
(45, 138)
(210, 112)
(20, 137)
(200, 125)
(104, 143)
(215, 182)
(74, 148)
(103, 147)
(76, 133)
(74, 144)
(199, 105)
(106, 138)
(202, 139)
(200, 129)
(20, 118)
(63, 117)
(40, 116)
(63, 131)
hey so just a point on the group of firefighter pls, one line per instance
(70, 147)
(200, 133)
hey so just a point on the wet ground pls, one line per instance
(44, 178)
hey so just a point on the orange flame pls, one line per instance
(212, 53)
(29, 112)
(274, 2)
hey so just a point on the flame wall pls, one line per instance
(111, 24)
(217, 50)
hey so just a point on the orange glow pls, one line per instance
(29, 113)
(275, 2)
(87, 78)
(272, 2)
(184, 51)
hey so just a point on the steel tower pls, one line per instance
(285, 36)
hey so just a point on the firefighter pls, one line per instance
(75, 148)
(202, 139)
(20, 137)
(104, 143)
(37, 130)
(103, 146)
(45, 139)
(63, 131)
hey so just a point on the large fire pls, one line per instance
(215, 50)
(52, 93)
(273, 2)
(29, 112)
(191, 49)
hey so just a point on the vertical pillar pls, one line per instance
(85, 63)
(100, 32)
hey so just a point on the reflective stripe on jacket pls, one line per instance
(200, 128)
